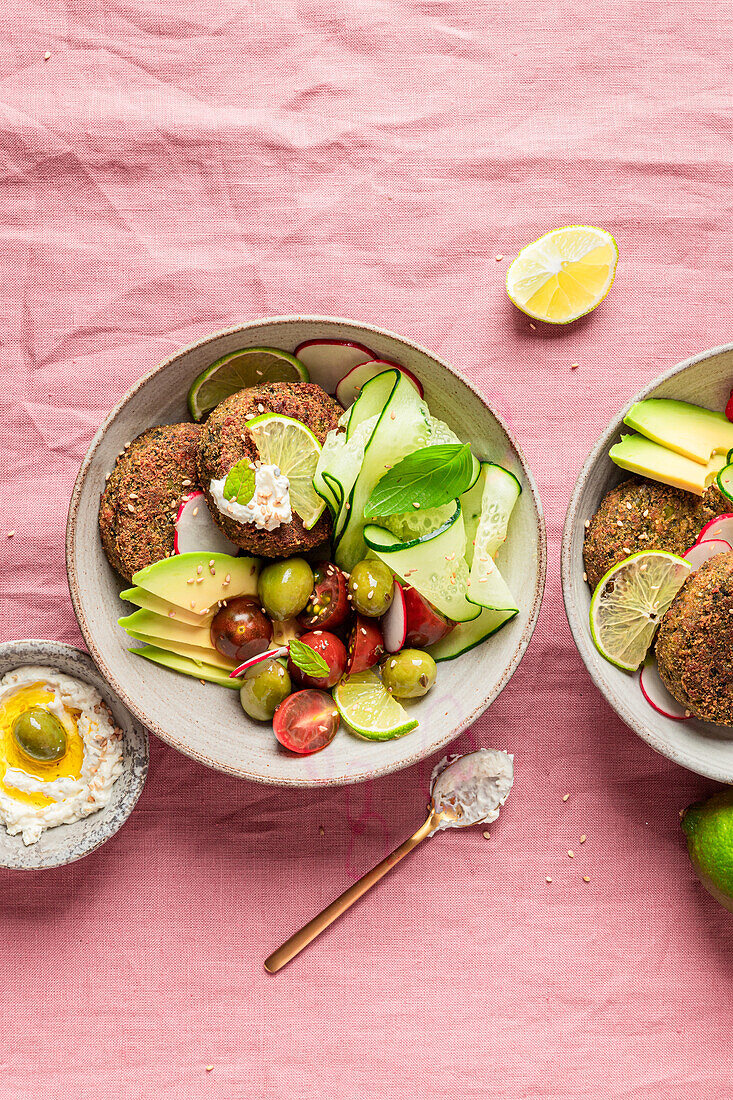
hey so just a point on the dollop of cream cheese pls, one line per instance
(269, 507)
(102, 762)
(474, 786)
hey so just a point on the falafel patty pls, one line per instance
(226, 439)
(640, 515)
(695, 643)
(140, 500)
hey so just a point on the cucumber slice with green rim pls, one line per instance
(402, 427)
(338, 467)
(501, 496)
(486, 586)
(466, 636)
(434, 565)
(725, 480)
(238, 371)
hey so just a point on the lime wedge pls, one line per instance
(238, 371)
(287, 443)
(629, 602)
(368, 708)
(564, 274)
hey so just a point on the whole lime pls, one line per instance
(708, 827)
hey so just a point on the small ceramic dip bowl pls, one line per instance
(67, 843)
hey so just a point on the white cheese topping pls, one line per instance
(102, 762)
(269, 506)
(476, 785)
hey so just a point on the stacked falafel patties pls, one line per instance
(643, 515)
(694, 645)
(225, 440)
(141, 498)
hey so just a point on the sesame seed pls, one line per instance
(565, 797)
(619, 523)
(645, 513)
(260, 407)
(208, 1068)
(211, 563)
(574, 366)
(186, 481)
(571, 854)
(392, 415)
(415, 504)
(533, 327)
(626, 549)
(205, 611)
(628, 505)
(583, 839)
(130, 508)
(586, 878)
(249, 416)
(688, 714)
(190, 580)
(171, 614)
(11, 534)
(200, 569)
(47, 55)
(193, 604)
(585, 576)
(196, 510)
(321, 830)
(227, 578)
(487, 834)
(499, 257)
(204, 683)
(587, 524)
(133, 496)
(548, 879)
(199, 580)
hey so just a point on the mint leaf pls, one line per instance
(426, 478)
(240, 482)
(307, 660)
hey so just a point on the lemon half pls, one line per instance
(564, 274)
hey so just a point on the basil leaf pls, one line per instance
(240, 482)
(426, 478)
(307, 660)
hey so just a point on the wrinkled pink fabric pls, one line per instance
(175, 168)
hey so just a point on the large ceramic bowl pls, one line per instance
(67, 843)
(706, 749)
(206, 722)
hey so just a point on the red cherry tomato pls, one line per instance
(241, 629)
(425, 624)
(333, 651)
(729, 407)
(328, 606)
(366, 645)
(306, 722)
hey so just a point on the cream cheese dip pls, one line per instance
(269, 507)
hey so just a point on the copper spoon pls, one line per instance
(447, 814)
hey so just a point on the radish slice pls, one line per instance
(329, 360)
(719, 528)
(195, 530)
(656, 694)
(701, 552)
(394, 621)
(351, 384)
(266, 655)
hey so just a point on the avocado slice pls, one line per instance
(203, 654)
(688, 429)
(198, 581)
(149, 602)
(642, 456)
(164, 627)
(178, 663)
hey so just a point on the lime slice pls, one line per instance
(284, 442)
(238, 371)
(368, 708)
(564, 274)
(630, 600)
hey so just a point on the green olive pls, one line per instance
(40, 736)
(371, 586)
(285, 587)
(264, 689)
(409, 673)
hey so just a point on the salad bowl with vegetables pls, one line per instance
(362, 558)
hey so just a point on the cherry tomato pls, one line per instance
(241, 629)
(328, 605)
(366, 645)
(425, 624)
(729, 407)
(306, 722)
(333, 651)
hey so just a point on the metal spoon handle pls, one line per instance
(292, 947)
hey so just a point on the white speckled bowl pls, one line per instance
(67, 843)
(705, 379)
(206, 722)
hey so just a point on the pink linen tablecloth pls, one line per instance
(170, 169)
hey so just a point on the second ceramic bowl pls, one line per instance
(206, 721)
(705, 379)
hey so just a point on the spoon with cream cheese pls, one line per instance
(464, 790)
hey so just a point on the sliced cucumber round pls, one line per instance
(725, 480)
(466, 636)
